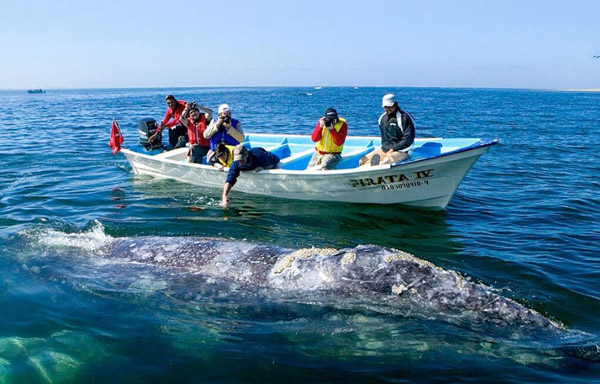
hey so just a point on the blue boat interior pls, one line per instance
(295, 152)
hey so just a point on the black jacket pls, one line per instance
(395, 136)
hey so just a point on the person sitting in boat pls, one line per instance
(255, 159)
(223, 129)
(397, 135)
(196, 126)
(177, 132)
(330, 135)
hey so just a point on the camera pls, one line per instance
(226, 119)
(329, 122)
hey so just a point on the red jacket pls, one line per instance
(196, 131)
(174, 114)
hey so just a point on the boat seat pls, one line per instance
(299, 161)
(282, 151)
(351, 159)
(426, 150)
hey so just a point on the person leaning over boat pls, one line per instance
(330, 135)
(171, 121)
(255, 159)
(223, 129)
(397, 135)
(196, 126)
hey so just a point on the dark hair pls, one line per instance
(221, 150)
(170, 97)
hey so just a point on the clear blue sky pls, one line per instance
(129, 43)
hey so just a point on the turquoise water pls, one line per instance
(524, 222)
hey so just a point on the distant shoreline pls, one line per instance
(308, 86)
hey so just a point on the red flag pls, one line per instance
(115, 137)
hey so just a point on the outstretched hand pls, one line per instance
(224, 202)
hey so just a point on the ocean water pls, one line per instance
(524, 223)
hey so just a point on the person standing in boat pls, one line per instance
(330, 135)
(397, 135)
(223, 129)
(196, 126)
(171, 121)
(243, 160)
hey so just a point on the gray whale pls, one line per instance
(394, 280)
(365, 278)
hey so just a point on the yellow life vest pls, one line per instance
(326, 144)
(229, 157)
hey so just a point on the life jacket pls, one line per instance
(326, 144)
(195, 135)
(223, 137)
(229, 156)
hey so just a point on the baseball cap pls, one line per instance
(388, 100)
(223, 108)
(239, 152)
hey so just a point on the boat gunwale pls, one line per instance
(482, 143)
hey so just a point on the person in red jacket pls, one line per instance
(196, 125)
(177, 132)
(330, 135)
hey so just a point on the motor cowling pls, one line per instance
(147, 128)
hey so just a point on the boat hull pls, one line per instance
(428, 182)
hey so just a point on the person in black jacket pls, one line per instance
(397, 135)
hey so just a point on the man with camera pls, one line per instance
(330, 135)
(196, 126)
(223, 129)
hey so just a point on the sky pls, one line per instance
(130, 43)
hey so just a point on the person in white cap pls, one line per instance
(397, 135)
(223, 129)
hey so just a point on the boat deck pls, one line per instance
(295, 151)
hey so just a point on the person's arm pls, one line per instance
(165, 119)
(211, 130)
(232, 175)
(237, 132)
(183, 118)
(339, 137)
(405, 134)
(318, 131)
(224, 198)
(208, 112)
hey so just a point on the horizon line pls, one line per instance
(302, 86)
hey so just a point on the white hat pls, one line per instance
(388, 100)
(224, 108)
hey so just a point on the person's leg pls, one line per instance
(173, 137)
(366, 159)
(314, 160)
(394, 157)
(330, 161)
(198, 153)
(182, 137)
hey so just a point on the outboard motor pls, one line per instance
(147, 129)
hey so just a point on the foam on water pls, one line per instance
(95, 239)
